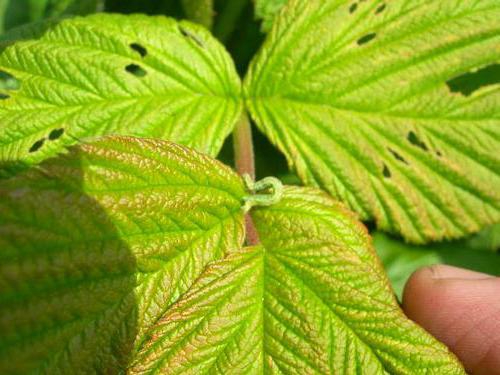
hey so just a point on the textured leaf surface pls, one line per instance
(266, 10)
(401, 260)
(355, 94)
(96, 244)
(115, 74)
(201, 11)
(312, 299)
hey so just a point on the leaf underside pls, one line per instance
(115, 74)
(358, 97)
(127, 255)
(95, 245)
(311, 300)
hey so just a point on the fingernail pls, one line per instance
(443, 272)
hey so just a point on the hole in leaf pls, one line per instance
(380, 9)
(191, 36)
(366, 38)
(467, 83)
(136, 70)
(56, 134)
(438, 153)
(353, 8)
(139, 49)
(397, 156)
(37, 145)
(386, 172)
(416, 141)
(8, 81)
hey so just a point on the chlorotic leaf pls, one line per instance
(401, 259)
(266, 10)
(370, 101)
(115, 74)
(96, 244)
(312, 299)
(201, 11)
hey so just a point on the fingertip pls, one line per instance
(462, 309)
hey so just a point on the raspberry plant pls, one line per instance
(125, 247)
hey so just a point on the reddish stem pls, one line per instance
(245, 164)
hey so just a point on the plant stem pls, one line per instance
(245, 164)
(243, 147)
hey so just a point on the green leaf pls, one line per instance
(3, 9)
(359, 96)
(487, 240)
(312, 299)
(200, 11)
(96, 244)
(115, 74)
(401, 259)
(267, 10)
(74, 7)
(14, 13)
(172, 8)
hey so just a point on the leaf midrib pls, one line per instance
(235, 288)
(313, 293)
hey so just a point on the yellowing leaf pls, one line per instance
(96, 245)
(362, 99)
(115, 74)
(312, 299)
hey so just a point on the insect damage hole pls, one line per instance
(56, 134)
(353, 8)
(397, 156)
(8, 83)
(139, 49)
(416, 141)
(191, 36)
(136, 70)
(366, 39)
(466, 84)
(380, 9)
(386, 172)
(37, 145)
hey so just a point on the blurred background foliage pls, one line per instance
(237, 24)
